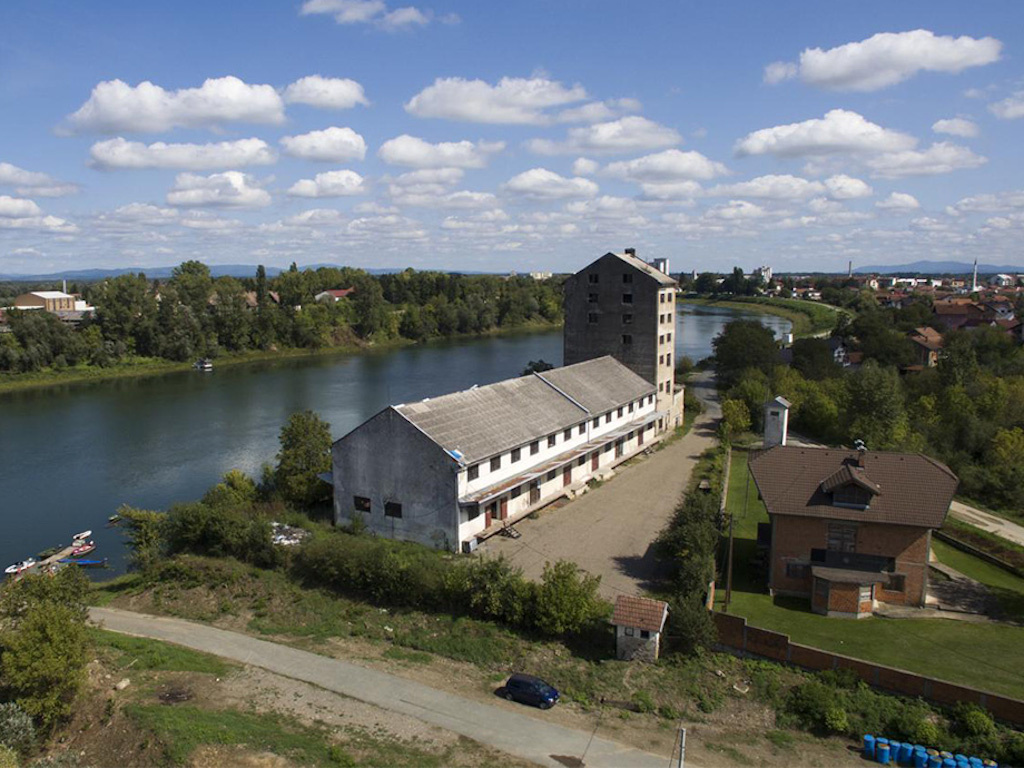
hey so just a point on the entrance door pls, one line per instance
(640, 436)
(567, 475)
(534, 492)
(487, 518)
(504, 509)
(595, 459)
(618, 448)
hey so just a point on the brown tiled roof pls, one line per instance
(639, 612)
(914, 489)
(846, 474)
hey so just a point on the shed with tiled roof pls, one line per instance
(639, 622)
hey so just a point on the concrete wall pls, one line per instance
(388, 459)
(636, 648)
(736, 635)
(793, 538)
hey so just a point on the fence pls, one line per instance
(735, 635)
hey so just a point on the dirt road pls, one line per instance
(609, 530)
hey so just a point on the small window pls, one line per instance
(668, 359)
(662, 298)
(608, 418)
(517, 454)
(668, 337)
(582, 430)
(627, 318)
(392, 509)
(474, 472)
(865, 592)
(473, 511)
(841, 537)
(627, 278)
(897, 582)
(514, 493)
(661, 359)
(627, 298)
(495, 463)
(630, 407)
(593, 278)
(552, 439)
(361, 503)
(567, 435)
(645, 635)
(661, 387)
(581, 461)
(552, 475)
(592, 317)
(661, 339)
(597, 422)
(620, 412)
(535, 447)
(629, 631)
(650, 399)
(608, 448)
(592, 298)
(627, 339)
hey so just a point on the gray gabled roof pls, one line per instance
(644, 267)
(599, 384)
(485, 421)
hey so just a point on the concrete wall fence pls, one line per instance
(736, 636)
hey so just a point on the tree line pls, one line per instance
(193, 314)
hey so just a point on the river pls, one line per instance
(70, 456)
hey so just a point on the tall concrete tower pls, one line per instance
(776, 422)
(622, 306)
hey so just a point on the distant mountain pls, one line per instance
(162, 273)
(940, 268)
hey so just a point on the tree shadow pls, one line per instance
(647, 569)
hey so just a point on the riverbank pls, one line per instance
(807, 318)
(139, 367)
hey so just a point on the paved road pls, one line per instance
(502, 726)
(609, 530)
(1000, 526)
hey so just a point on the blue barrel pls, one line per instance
(906, 752)
(920, 758)
(948, 762)
(869, 746)
(882, 753)
(946, 755)
(894, 751)
(975, 762)
(934, 761)
(960, 758)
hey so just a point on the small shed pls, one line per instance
(639, 622)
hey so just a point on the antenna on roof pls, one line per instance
(860, 445)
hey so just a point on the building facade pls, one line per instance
(622, 306)
(851, 529)
(452, 470)
(49, 301)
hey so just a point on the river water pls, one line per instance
(70, 456)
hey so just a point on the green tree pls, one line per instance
(44, 643)
(305, 453)
(814, 360)
(877, 410)
(743, 344)
(144, 534)
(735, 418)
(567, 599)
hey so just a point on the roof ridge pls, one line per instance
(572, 400)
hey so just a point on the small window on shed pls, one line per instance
(644, 634)
(629, 631)
(495, 463)
(473, 472)
(552, 439)
(361, 503)
(392, 509)
(517, 454)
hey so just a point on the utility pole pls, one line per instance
(682, 747)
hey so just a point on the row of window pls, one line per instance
(627, 298)
(665, 337)
(363, 504)
(665, 359)
(593, 278)
(552, 440)
(666, 318)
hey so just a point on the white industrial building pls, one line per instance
(452, 470)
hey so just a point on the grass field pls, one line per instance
(986, 656)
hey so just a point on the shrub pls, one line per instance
(690, 624)
(16, 729)
(8, 757)
(972, 721)
(643, 702)
(567, 600)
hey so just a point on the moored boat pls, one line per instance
(84, 549)
(84, 563)
(81, 536)
(17, 568)
(203, 365)
(50, 552)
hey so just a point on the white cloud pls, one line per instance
(33, 183)
(898, 201)
(115, 106)
(838, 131)
(330, 184)
(373, 12)
(120, 153)
(1010, 108)
(675, 190)
(330, 145)
(17, 208)
(463, 199)
(607, 207)
(514, 100)
(414, 152)
(990, 203)
(669, 166)
(48, 224)
(778, 71)
(430, 176)
(207, 222)
(956, 126)
(390, 227)
(941, 157)
(231, 189)
(843, 187)
(540, 183)
(736, 210)
(583, 166)
(885, 59)
(326, 92)
(772, 187)
(628, 134)
(598, 111)
(135, 215)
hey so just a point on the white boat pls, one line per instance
(81, 536)
(203, 365)
(24, 565)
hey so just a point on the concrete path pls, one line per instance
(609, 531)
(1000, 526)
(504, 726)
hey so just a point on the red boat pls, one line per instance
(85, 549)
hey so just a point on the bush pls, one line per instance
(8, 757)
(643, 702)
(690, 624)
(567, 600)
(972, 721)
(17, 731)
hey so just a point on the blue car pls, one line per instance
(527, 689)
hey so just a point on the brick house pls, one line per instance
(639, 622)
(850, 529)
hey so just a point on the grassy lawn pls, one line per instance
(986, 656)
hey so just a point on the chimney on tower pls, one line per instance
(65, 283)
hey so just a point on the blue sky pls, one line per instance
(500, 136)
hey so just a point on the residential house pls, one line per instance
(335, 295)
(851, 529)
(927, 345)
(638, 622)
(49, 301)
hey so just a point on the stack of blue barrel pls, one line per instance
(887, 752)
